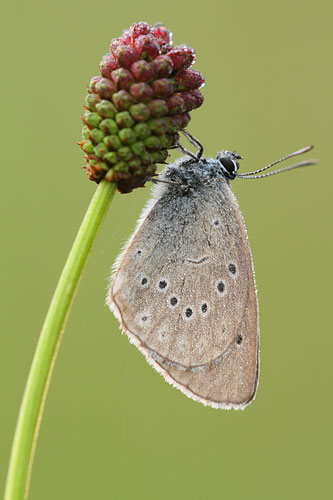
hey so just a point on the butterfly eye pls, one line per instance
(230, 166)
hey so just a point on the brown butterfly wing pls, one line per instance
(185, 294)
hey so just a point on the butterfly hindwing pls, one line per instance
(184, 293)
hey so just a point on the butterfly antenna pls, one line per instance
(292, 167)
(252, 175)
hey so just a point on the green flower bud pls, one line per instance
(152, 143)
(122, 100)
(140, 112)
(111, 157)
(150, 170)
(109, 127)
(100, 150)
(112, 142)
(124, 119)
(158, 126)
(88, 147)
(166, 140)
(159, 156)
(134, 164)
(127, 136)
(146, 159)
(96, 135)
(138, 148)
(92, 119)
(121, 167)
(142, 130)
(102, 166)
(106, 109)
(85, 132)
(125, 153)
(91, 100)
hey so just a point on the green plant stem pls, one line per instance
(31, 412)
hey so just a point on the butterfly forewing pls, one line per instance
(184, 292)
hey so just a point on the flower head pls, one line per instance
(136, 108)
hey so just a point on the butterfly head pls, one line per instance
(189, 174)
(229, 163)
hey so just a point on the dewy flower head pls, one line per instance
(136, 108)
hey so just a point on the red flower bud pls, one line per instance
(163, 66)
(139, 29)
(184, 119)
(125, 55)
(182, 57)
(189, 79)
(198, 98)
(122, 78)
(142, 92)
(105, 88)
(176, 104)
(115, 43)
(142, 71)
(122, 100)
(147, 47)
(163, 34)
(163, 87)
(107, 65)
(158, 107)
(92, 84)
(126, 37)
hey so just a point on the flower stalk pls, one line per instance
(30, 416)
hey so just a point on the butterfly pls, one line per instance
(184, 289)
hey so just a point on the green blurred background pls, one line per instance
(113, 429)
